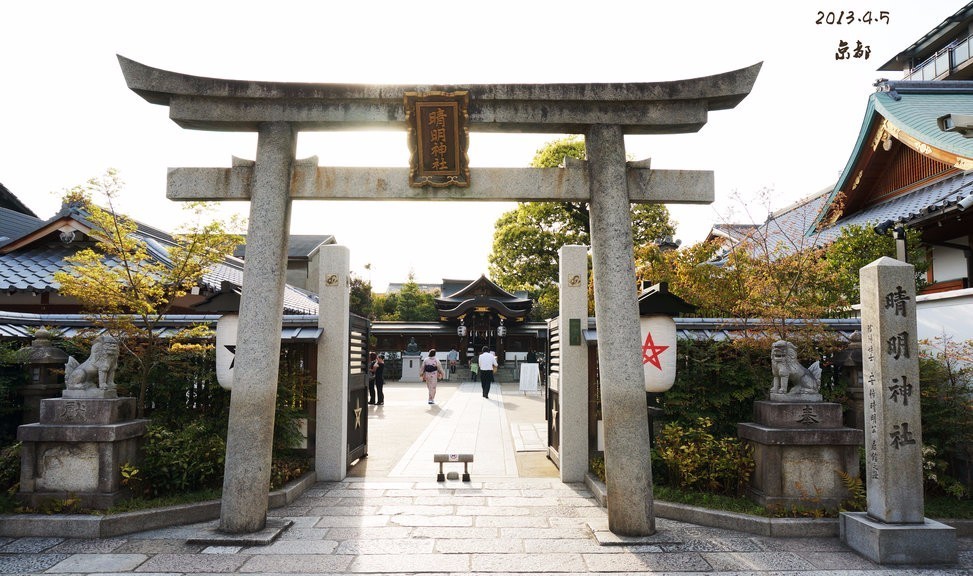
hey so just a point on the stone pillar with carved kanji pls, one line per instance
(894, 529)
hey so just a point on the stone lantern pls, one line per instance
(850, 361)
(45, 363)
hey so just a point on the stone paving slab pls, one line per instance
(193, 563)
(93, 563)
(26, 563)
(412, 525)
(529, 436)
(312, 563)
(29, 545)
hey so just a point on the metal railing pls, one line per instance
(942, 62)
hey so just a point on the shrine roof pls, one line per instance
(28, 263)
(294, 328)
(10, 201)
(482, 286)
(908, 112)
(791, 228)
(788, 229)
(920, 204)
(299, 246)
(721, 329)
(14, 224)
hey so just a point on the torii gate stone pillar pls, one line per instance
(604, 113)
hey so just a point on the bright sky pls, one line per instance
(66, 114)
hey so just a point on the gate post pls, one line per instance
(573, 373)
(627, 467)
(331, 437)
(250, 434)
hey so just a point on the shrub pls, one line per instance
(285, 468)
(720, 380)
(9, 476)
(946, 393)
(174, 461)
(717, 381)
(936, 481)
(13, 374)
(597, 466)
(697, 460)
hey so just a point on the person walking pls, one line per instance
(488, 363)
(376, 379)
(430, 371)
(452, 359)
(474, 368)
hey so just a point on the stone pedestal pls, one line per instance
(928, 542)
(798, 449)
(410, 368)
(77, 450)
(894, 530)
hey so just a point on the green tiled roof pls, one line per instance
(913, 108)
(915, 113)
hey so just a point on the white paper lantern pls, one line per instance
(226, 335)
(658, 352)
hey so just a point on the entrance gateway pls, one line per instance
(277, 111)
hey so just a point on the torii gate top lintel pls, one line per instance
(670, 107)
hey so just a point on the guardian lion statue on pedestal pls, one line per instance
(98, 371)
(790, 378)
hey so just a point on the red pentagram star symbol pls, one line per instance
(651, 352)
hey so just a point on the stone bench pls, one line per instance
(444, 458)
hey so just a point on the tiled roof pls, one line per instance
(790, 229)
(10, 201)
(14, 224)
(787, 228)
(298, 245)
(732, 329)
(910, 110)
(294, 328)
(913, 107)
(734, 232)
(296, 300)
(909, 208)
(32, 269)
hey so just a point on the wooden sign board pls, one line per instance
(438, 138)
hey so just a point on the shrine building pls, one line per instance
(472, 314)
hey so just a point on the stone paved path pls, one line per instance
(386, 522)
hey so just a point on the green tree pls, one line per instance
(361, 300)
(526, 239)
(858, 246)
(384, 305)
(125, 284)
(412, 304)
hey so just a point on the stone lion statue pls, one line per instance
(789, 372)
(98, 370)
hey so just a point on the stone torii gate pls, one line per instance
(603, 113)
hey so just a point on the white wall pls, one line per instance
(949, 312)
(948, 263)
